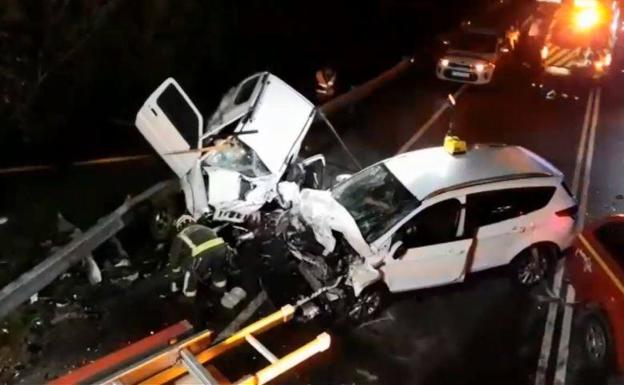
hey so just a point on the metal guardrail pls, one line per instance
(31, 282)
(40, 276)
(364, 90)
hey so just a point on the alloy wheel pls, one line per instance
(365, 306)
(595, 342)
(533, 268)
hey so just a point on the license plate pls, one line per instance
(460, 74)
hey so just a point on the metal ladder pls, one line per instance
(193, 354)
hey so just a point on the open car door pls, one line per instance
(171, 124)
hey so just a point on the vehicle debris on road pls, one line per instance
(67, 231)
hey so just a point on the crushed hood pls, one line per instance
(274, 118)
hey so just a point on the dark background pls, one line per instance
(73, 73)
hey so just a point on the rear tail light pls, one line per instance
(569, 212)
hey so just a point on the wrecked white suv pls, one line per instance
(428, 218)
(230, 167)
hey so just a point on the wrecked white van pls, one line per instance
(229, 167)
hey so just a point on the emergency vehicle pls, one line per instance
(596, 270)
(581, 38)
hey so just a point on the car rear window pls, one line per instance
(489, 207)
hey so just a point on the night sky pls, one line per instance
(74, 73)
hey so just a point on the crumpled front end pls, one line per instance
(324, 215)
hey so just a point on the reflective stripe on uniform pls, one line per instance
(185, 286)
(195, 251)
(186, 240)
(198, 249)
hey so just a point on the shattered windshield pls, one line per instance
(232, 154)
(376, 200)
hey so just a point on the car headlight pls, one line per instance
(444, 62)
(479, 67)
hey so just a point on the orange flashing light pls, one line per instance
(586, 3)
(586, 18)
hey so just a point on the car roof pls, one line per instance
(432, 171)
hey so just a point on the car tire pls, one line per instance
(368, 304)
(533, 265)
(596, 340)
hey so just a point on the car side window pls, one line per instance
(433, 225)
(180, 113)
(611, 236)
(489, 207)
(246, 90)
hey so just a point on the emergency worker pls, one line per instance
(513, 35)
(325, 84)
(198, 255)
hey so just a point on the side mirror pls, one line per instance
(342, 177)
(398, 250)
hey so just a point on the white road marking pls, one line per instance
(580, 154)
(588, 161)
(580, 186)
(564, 341)
(425, 127)
(370, 377)
(549, 329)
